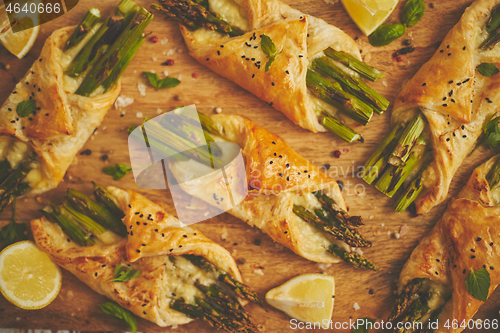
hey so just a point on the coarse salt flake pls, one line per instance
(123, 101)
(139, 115)
(164, 41)
(142, 88)
(356, 306)
(258, 272)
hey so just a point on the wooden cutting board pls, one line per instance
(76, 307)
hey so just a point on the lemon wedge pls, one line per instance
(369, 14)
(21, 42)
(307, 297)
(28, 277)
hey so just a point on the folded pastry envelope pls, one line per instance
(153, 236)
(299, 37)
(278, 178)
(454, 98)
(62, 123)
(466, 236)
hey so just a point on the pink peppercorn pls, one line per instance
(337, 153)
(154, 39)
(399, 59)
(195, 75)
(170, 62)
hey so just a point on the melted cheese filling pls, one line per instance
(16, 151)
(181, 277)
(231, 12)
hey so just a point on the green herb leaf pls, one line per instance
(364, 328)
(478, 283)
(157, 83)
(490, 137)
(124, 273)
(118, 171)
(269, 50)
(267, 46)
(25, 108)
(117, 311)
(487, 69)
(413, 12)
(387, 33)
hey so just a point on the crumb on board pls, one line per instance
(356, 306)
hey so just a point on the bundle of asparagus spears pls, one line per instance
(400, 159)
(334, 78)
(185, 141)
(93, 71)
(89, 222)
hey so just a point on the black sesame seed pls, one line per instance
(472, 250)
(171, 250)
(144, 312)
(272, 83)
(14, 92)
(95, 274)
(253, 75)
(243, 57)
(12, 121)
(103, 266)
(424, 84)
(438, 260)
(491, 267)
(491, 244)
(142, 215)
(464, 136)
(444, 98)
(208, 59)
(138, 223)
(464, 271)
(271, 162)
(288, 165)
(441, 51)
(131, 233)
(287, 178)
(287, 72)
(280, 174)
(180, 245)
(453, 100)
(448, 46)
(255, 47)
(450, 93)
(185, 236)
(459, 83)
(222, 46)
(463, 48)
(447, 139)
(137, 213)
(454, 266)
(445, 104)
(275, 154)
(138, 251)
(143, 244)
(156, 230)
(437, 273)
(40, 60)
(300, 56)
(27, 83)
(449, 54)
(484, 266)
(129, 206)
(478, 239)
(9, 109)
(285, 232)
(453, 133)
(253, 59)
(472, 257)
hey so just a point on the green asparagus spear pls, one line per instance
(109, 67)
(74, 215)
(97, 212)
(350, 83)
(72, 229)
(410, 193)
(342, 130)
(102, 39)
(239, 288)
(336, 212)
(356, 65)
(88, 22)
(107, 200)
(393, 177)
(333, 94)
(12, 185)
(322, 220)
(4, 170)
(493, 30)
(378, 160)
(407, 140)
(405, 298)
(195, 15)
(13, 232)
(354, 258)
(493, 175)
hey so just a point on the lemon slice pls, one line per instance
(28, 277)
(369, 14)
(21, 42)
(307, 297)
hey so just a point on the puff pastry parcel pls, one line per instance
(64, 97)
(282, 185)
(238, 56)
(61, 124)
(432, 283)
(454, 99)
(171, 260)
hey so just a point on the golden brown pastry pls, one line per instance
(63, 121)
(432, 282)
(299, 38)
(158, 247)
(454, 98)
(278, 180)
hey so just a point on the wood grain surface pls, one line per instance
(76, 306)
